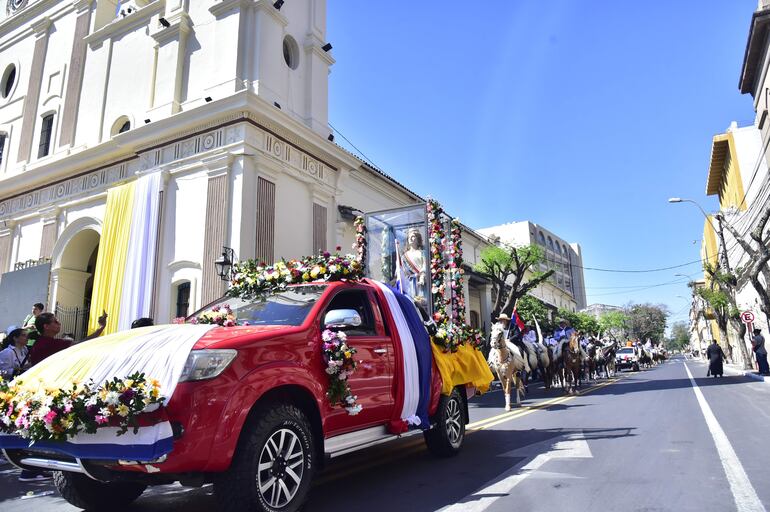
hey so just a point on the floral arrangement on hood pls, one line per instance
(338, 357)
(61, 414)
(219, 315)
(252, 279)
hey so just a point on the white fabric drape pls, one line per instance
(410, 369)
(140, 260)
(159, 352)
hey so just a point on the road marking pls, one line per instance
(746, 499)
(500, 486)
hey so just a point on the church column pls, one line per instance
(170, 50)
(50, 231)
(6, 244)
(31, 100)
(485, 313)
(69, 114)
(217, 224)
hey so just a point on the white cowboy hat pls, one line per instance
(503, 316)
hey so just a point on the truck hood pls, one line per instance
(233, 337)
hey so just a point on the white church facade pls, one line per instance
(225, 101)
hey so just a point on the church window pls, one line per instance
(9, 79)
(45, 136)
(291, 52)
(2, 147)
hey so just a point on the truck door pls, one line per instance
(373, 379)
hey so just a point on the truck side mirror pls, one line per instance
(342, 319)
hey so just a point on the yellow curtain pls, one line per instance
(111, 260)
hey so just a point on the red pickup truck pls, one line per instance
(250, 412)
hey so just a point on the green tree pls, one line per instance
(582, 322)
(530, 307)
(647, 321)
(614, 324)
(513, 273)
(680, 336)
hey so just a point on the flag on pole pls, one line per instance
(537, 328)
(399, 270)
(518, 321)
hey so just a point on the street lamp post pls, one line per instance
(723, 261)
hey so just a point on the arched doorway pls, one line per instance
(73, 263)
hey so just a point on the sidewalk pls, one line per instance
(734, 369)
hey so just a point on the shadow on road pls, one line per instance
(397, 480)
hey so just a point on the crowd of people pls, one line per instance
(35, 339)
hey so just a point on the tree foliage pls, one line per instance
(680, 336)
(513, 273)
(647, 321)
(582, 322)
(530, 307)
(614, 324)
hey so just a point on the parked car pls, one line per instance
(626, 358)
(250, 412)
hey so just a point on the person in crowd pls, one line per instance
(29, 323)
(48, 344)
(14, 357)
(716, 359)
(142, 322)
(758, 345)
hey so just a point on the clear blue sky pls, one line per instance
(582, 116)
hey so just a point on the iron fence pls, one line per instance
(74, 320)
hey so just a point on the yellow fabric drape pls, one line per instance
(111, 260)
(466, 366)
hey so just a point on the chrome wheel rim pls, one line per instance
(280, 468)
(454, 422)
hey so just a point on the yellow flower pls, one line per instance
(347, 355)
(306, 277)
(129, 383)
(323, 270)
(314, 273)
(123, 410)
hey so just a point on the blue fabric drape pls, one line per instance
(424, 355)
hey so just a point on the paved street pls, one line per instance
(638, 443)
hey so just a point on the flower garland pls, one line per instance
(253, 280)
(338, 356)
(61, 414)
(388, 271)
(437, 237)
(219, 315)
(447, 283)
(360, 245)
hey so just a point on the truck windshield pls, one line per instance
(290, 307)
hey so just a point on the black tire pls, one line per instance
(282, 429)
(635, 367)
(446, 435)
(86, 493)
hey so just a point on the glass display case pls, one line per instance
(398, 251)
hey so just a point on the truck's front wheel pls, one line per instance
(84, 492)
(272, 469)
(446, 436)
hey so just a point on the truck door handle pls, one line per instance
(380, 351)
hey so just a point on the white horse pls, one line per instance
(506, 360)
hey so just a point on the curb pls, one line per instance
(746, 373)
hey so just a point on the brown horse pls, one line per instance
(571, 358)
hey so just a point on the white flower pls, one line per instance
(92, 400)
(104, 412)
(331, 370)
(327, 336)
(354, 409)
(112, 398)
(342, 336)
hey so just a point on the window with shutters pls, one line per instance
(265, 246)
(45, 136)
(319, 228)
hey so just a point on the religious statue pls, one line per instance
(414, 264)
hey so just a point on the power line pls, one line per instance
(353, 146)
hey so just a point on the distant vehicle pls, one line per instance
(627, 358)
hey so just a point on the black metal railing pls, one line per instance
(74, 320)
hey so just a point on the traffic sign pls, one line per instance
(747, 317)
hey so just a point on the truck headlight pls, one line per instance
(206, 364)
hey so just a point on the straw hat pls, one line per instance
(503, 316)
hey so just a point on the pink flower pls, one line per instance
(101, 420)
(48, 418)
